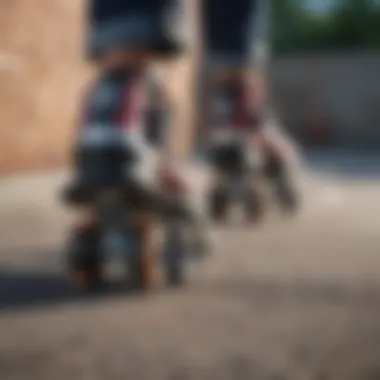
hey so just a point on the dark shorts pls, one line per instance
(231, 29)
(132, 23)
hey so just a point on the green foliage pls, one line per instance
(351, 24)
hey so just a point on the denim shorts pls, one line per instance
(232, 30)
(132, 23)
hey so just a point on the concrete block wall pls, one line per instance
(339, 90)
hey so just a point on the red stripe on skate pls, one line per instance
(240, 117)
(130, 113)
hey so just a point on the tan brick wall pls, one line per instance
(41, 74)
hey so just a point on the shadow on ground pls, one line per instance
(345, 165)
(23, 290)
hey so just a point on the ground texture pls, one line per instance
(288, 300)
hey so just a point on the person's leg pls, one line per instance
(108, 107)
(230, 33)
(96, 163)
(233, 31)
(118, 48)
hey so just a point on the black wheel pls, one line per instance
(137, 278)
(140, 269)
(142, 257)
(218, 204)
(85, 279)
(287, 197)
(174, 258)
(254, 206)
(84, 261)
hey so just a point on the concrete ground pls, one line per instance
(290, 300)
